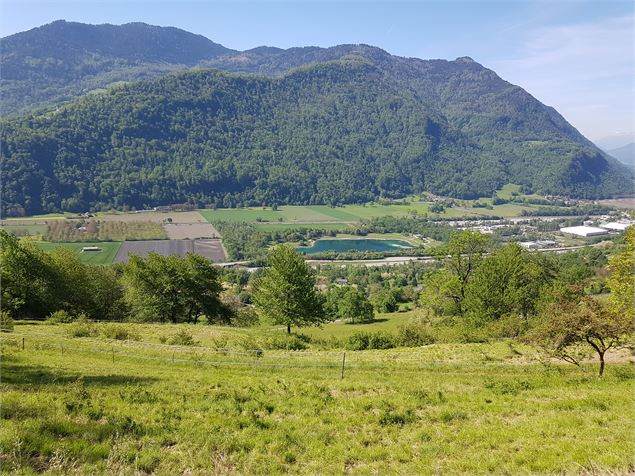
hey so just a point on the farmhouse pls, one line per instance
(583, 230)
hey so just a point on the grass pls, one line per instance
(318, 214)
(105, 256)
(287, 226)
(25, 230)
(69, 411)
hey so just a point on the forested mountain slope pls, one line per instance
(63, 60)
(350, 130)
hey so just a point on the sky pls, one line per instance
(574, 55)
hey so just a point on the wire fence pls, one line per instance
(115, 350)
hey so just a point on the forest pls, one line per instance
(312, 136)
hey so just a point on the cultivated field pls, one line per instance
(191, 231)
(210, 249)
(95, 406)
(156, 217)
(98, 230)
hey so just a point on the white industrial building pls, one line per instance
(584, 230)
(615, 226)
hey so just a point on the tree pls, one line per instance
(286, 293)
(508, 281)
(569, 326)
(384, 300)
(179, 289)
(461, 256)
(349, 303)
(622, 279)
(28, 279)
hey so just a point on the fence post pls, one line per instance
(343, 362)
(23, 343)
(172, 357)
(113, 355)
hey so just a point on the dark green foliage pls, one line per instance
(384, 300)
(286, 293)
(350, 304)
(362, 126)
(62, 60)
(174, 289)
(36, 284)
(371, 340)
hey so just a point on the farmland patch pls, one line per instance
(210, 249)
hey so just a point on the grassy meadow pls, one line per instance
(92, 405)
(105, 256)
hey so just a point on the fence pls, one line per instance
(177, 354)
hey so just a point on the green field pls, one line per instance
(92, 406)
(289, 226)
(105, 256)
(285, 214)
(23, 230)
(317, 214)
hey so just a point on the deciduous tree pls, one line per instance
(286, 293)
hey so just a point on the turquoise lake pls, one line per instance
(321, 246)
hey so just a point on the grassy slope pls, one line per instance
(105, 256)
(79, 411)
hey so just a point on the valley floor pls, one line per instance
(89, 405)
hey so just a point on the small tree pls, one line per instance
(286, 293)
(349, 303)
(570, 326)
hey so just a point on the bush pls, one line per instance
(415, 334)
(82, 327)
(369, 340)
(60, 317)
(6, 322)
(182, 337)
(245, 317)
(286, 342)
(120, 332)
(507, 326)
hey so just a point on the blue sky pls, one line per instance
(571, 54)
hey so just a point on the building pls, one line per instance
(583, 230)
(615, 226)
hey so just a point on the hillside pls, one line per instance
(314, 135)
(63, 60)
(300, 126)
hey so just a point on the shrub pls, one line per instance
(120, 332)
(507, 326)
(286, 342)
(368, 340)
(6, 322)
(246, 317)
(182, 337)
(82, 327)
(415, 334)
(60, 317)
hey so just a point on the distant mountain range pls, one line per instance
(137, 115)
(625, 154)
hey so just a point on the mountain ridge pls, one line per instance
(305, 131)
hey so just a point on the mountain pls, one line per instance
(63, 60)
(300, 126)
(625, 154)
(615, 140)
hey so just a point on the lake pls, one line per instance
(343, 245)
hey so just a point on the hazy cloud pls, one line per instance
(584, 70)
